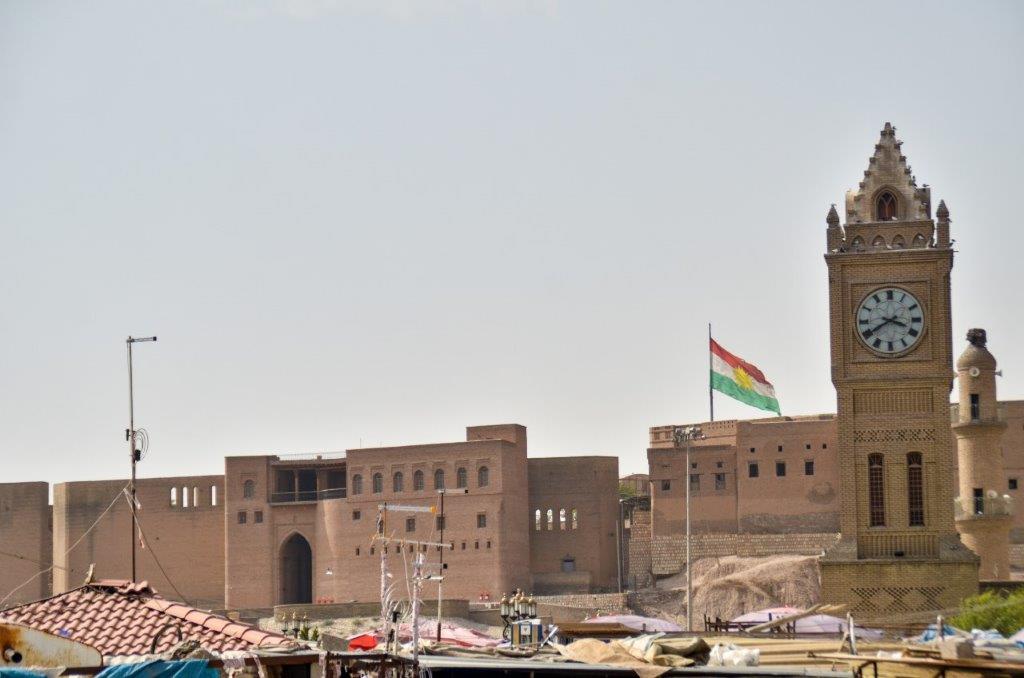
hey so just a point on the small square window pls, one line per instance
(666, 485)
(718, 464)
(1012, 483)
(780, 469)
(257, 516)
(780, 448)
(481, 520)
(752, 470)
(808, 446)
(753, 449)
(243, 517)
(824, 446)
(693, 465)
(356, 515)
(808, 468)
(410, 524)
(488, 543)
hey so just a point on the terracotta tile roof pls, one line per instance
(119, 617)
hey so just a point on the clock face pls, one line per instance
(890, 321)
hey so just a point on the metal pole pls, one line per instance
(689, 580)
(711, 391)
(441, 572)
(618, 546)
(131, 449)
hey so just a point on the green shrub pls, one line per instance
(992, 611)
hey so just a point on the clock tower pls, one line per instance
(899, 555)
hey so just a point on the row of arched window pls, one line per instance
(189, 497)
(568, 519)
(876, 490)
(483, 479)
(897, 243)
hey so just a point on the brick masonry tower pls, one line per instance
(983, 513)
(899, 556)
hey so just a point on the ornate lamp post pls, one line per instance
(515, 608)
(683, 436)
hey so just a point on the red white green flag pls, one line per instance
(737, 378)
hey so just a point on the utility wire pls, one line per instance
(70, 549)
(149, 547)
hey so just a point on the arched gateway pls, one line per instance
(296, 571)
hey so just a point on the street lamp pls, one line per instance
(683, 436)
(516, 607)
(133, 451)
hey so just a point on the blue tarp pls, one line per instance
(930, 634)
(187, 668)
(20, 673)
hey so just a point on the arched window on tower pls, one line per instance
(482, 477)
(378, 483)
(561, 519)
(357, 484)
(417, 481)
(876, 491)
(461, 478)
(885, 207)
(915, 490)
(898, 243)
(439, 479)
(398, 482)
(857, 244)
(878, 242)
(551, 519)
(248, 489)
(174, 496)
(536, 519)
(920, 241)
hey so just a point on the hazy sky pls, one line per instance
(378, 222)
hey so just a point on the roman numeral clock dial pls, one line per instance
(890, 321)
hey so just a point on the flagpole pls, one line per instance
(711, 391)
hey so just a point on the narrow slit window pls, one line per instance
(915, 490)
(876, 491)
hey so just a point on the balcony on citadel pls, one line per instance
(307, 479)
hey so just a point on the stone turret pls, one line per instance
(983, 511)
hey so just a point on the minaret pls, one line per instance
(983, 512)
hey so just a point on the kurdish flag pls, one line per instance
(737, 378)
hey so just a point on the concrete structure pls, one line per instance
(300, 530)
(748, 518)
(181, 519)
(25, 541)
(983, 510)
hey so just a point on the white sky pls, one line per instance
(378, 222)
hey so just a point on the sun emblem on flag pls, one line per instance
(742, 378)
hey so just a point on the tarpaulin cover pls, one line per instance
(187, 668)
(815, 623)
(633, 621)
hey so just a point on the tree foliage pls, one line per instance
(991, 610)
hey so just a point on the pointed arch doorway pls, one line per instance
(296, 573)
